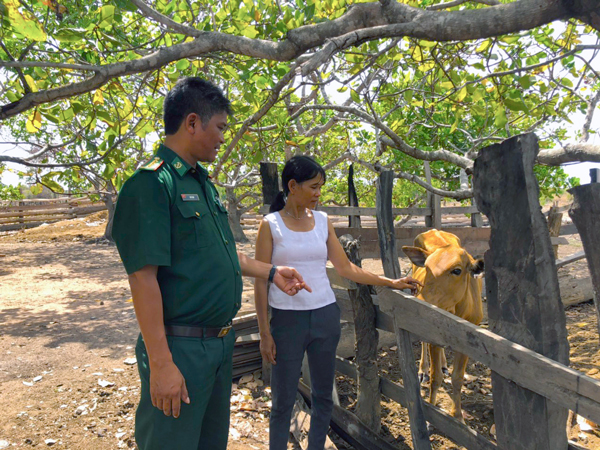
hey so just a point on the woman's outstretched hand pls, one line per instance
(407, 283)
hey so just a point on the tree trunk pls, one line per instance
(522, 289)
(270, 181)
(235, 216)
(110, 206)
(366, 338)
(585, 212)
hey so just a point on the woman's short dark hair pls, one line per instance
(193, 95)
(300, 168)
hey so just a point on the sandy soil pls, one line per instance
(68, 331)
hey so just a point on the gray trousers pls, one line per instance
(316, 332)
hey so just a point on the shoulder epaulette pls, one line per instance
(153, 164)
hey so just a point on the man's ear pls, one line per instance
(191, 122)
(417, 255)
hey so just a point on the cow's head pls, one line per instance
(447, 270)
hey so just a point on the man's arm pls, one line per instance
(286, 278)
(167, 386)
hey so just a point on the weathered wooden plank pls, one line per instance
(300, 425)
(522, 289)
(458, 432)
(391, 268)
(585, 212)
(385, 225)
(570, 259)
(353, 221)
(371, 212)
(349, 427)
(45, 206)
(366, 339)
(536, 372)
(337, 281)
(55, 211)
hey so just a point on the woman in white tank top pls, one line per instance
(293, 234)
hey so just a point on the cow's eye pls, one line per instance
(456, 272)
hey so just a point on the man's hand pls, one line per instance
(167, 388)
(267, 348)
(289, 280)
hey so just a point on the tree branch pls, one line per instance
(361, 22)
(393, 140)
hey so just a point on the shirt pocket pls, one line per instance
(193, 225)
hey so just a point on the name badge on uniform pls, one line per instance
(190, 197)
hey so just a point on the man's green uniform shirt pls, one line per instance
(169, 215)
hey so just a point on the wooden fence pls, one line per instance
(18, 214)
(525, 347)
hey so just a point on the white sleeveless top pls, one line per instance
(306, 251)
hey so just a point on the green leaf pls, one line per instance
(355, 96)
(182, 64)
(515, 105)
(566, 82)
(69, 35)
(107, 16)
(526, 81)
(500, 118)
(484, 46)
(462, 94)
(27, 26)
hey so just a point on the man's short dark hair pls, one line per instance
(193, 95)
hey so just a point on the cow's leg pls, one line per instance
(458, 375)
(437, 377)
(424, 363)
(445, 364)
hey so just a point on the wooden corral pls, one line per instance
(16, 215)
(532, 383)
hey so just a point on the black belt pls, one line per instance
(197, 332)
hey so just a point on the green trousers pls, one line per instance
(206, 366)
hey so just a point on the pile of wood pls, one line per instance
(246, 352)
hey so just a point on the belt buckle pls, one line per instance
(224, 331)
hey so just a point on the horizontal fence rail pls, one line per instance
(557, 382)
(19, 214)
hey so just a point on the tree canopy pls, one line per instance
(382, 84)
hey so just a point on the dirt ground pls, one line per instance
(68, 377)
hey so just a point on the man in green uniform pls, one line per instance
(173, 236)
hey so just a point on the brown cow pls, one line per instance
(447, 273)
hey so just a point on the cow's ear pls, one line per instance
(416, 255)
(477, 267)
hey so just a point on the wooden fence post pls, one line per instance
(270, 181)
(391, 268)
(585, 212)
(434, 202)
(476, 219)
(353, 221)
(366, 338)
(522, 290)
(554, 224)
(385, 225)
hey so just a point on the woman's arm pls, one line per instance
(347, 269)
(264, 250)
